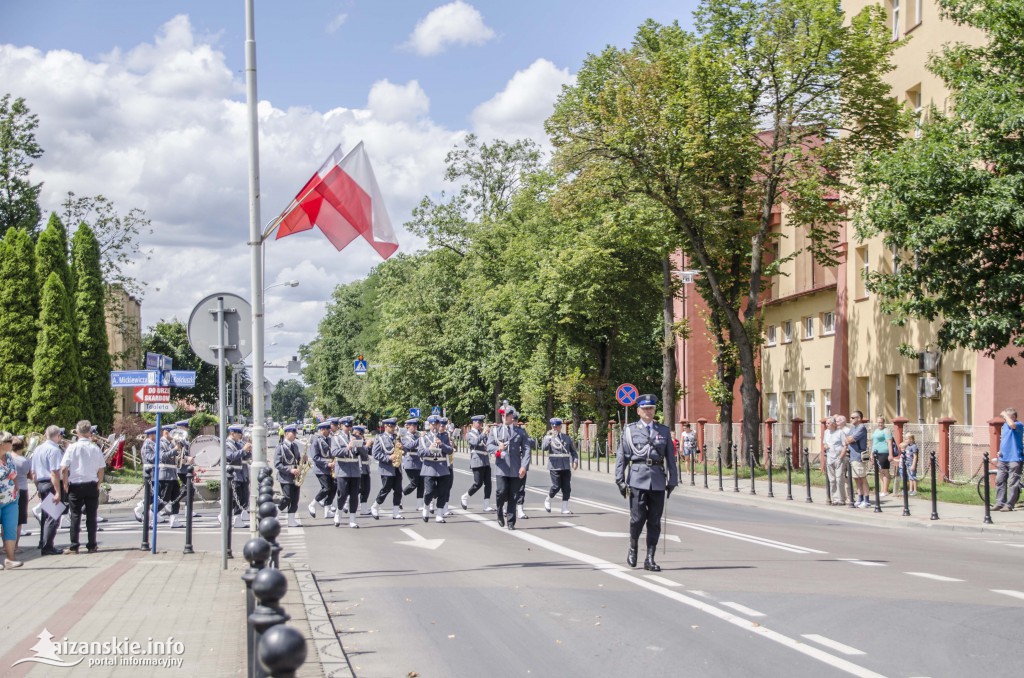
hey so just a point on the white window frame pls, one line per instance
(787, 331)
(826, 399)
(968, 400)
(828, 328)
(918, 111)
(899, 396)
(773, 406)
(808, 327)
(895, 20)
(810, 415)
(790, 398)
(771, 335)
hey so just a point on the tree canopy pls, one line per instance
(19, 197)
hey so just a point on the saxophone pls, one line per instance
(303, 469)
(396, 453)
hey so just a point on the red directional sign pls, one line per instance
(153, 394)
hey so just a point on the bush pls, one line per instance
(213, 486)
(200, 420)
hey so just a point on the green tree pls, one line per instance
(98, 398)
(19, 198)
(117, 236)
(56, 385)
(289, 401)
(52, 255)
(19, 315)
(768, 100)
(949, 199)
(170, 338)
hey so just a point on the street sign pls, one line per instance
(162, 408)
(156, 361)
(626, 394)
(359, 366)
(202, 328)
(414, 412)
(435, 411)
(152, 394)
(181, 378)
(129, 378)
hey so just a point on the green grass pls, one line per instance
(124, 475)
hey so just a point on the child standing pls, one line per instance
(910, 462)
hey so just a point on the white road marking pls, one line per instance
(866, 563)
(599, 533)
(621, 573)
(663, 581)
(832, 644)
(928, 575)
(1008, 592)
(743, 609)
(419, 541)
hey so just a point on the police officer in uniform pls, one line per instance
(411, 462)
(447, 481)
(562, 461)
(434, 453)
(286, 461)
(238, 454)
(364, 475)
(507, 442)
(479, 462)
(531, 445)
(390, 475)
(348, 449)
(646, 471)
(148, 454)
(320, 455)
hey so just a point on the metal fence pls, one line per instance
(967, 445)
(927, 438)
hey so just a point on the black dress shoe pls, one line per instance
(50, 552)
(511, 526)
(631, 553)
(501, 518)
(649, 563)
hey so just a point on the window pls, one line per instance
(808, 324)
(828, 323)
(968, 401)
(810, 418)
(894, 17)
(790, 406)
(826, 399)
(770, 335)
(773, 406)
(917, 10)
(787, 331)
(863, 400)
(914, 101)
(863, 268)
(893, 403)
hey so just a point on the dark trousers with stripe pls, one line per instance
(391, 485)
(325, 497)
(481, 477)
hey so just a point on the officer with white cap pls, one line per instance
(507, 442)
(286, 460)
(239, 456)
(479, 463)
(434, 451)
(562, 460)
(390, 474)
(646, 470)
(348, 448)
(411, 462)
(320, 456)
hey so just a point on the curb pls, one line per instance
(333, 659)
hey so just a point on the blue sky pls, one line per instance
(143, 101)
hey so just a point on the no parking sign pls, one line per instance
(626, 394)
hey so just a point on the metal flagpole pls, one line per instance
(259, 432)
(225, 514)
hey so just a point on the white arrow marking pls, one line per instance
(420, 541)
(599, 533)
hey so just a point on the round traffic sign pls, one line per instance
(203, 331)
(626, 394)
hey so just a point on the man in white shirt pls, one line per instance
(82, 471)
(46, 473)
(834, 443)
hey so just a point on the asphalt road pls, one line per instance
(742, 590)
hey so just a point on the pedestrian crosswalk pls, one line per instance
(207, 522)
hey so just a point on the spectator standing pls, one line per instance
(856, 446)
(8, 500)
(46, 474)
(24, 468)
(881, 452)
(834, 443)
(1011, 457)
(689, 447)
(82, 468)
(909, 462)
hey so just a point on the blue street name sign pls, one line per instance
(360, 366)
(181, 378)
(414, 412)
(129, 378)
(157, 361)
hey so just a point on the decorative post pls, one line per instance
(700, 438)
(897, 429)
(944, 425)
(769, 441)
(821, 447)
(798, 425)
(995, 432)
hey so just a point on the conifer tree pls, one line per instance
(52, 255)
(93, 347)
(19, 311)
(56, 385)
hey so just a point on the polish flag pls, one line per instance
(344, 201)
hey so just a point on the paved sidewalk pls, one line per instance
(138, 596)
(961, 517)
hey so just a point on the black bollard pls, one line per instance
(146, 512)
(789, 474)
(878, 498)
(282, 651)
(269, 586)
(720, 488)
(807, 475)
(269, 528)
(906, 490)
(735, 469)
(704, 454)
(751, 456)
(935, 500)
(693, 469)
(771, 494)
(257, 553)
(988, 508)
(590, 454)
(189, 501)
(849, 477)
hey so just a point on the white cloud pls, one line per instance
(456, 23)
(527, 101)
(162, 126)
(391, 102)
(337, 22)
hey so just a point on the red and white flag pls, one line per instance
(344, 201)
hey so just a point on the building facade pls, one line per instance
(124, 336)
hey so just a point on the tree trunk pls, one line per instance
(549, 404)
(668, 347)
(750, 395)
(601, 392)
(497, 399)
